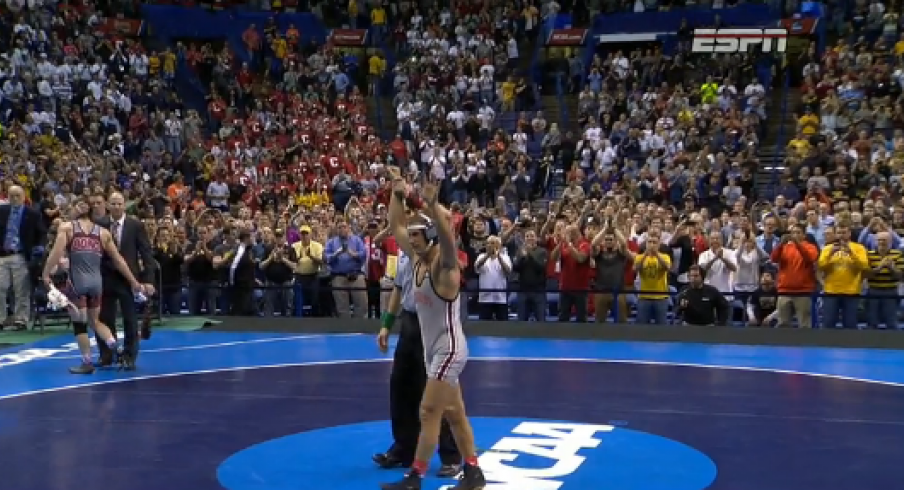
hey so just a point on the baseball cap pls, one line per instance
(305, 229)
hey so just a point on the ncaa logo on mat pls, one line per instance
(519, 454)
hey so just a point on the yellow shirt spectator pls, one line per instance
(153, 64)
(843, 268)
(800, 145)
(899, 48)
(301, 201)
(709, 92)
(376, 65)
(312, 199)
(307, 266)
(508, 90)
(353, 9)
(654, 275)
(808, 124)
(378, 16)
(280, 48)
(169, 63)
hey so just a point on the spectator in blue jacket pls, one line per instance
(346, 257)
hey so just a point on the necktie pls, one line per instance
(114, 230)
(768, 242)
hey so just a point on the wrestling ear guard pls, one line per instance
(56, 300)
(427, 227)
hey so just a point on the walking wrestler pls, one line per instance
(409, 375)
(85, 244)
(436, 278)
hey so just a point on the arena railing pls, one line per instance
(560, 98)
(781, 138)
(302, 298)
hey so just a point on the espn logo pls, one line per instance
(733, 40)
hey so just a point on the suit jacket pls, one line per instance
(31, 231)
(133, 245)
(245, 270)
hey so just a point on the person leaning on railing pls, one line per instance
(843, 263)
(701, 304)
(796, 259)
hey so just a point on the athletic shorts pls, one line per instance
(446, 364)
(84, 297)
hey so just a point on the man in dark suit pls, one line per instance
(132, 239)
(21, 232)
(239, 268)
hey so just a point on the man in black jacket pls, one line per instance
(132, 240)
(238, 267)
(278, 265)
(701, 304)
(530, 264)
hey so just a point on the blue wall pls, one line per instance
(630, 22)
(168, 22)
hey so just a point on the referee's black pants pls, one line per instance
(406, 388)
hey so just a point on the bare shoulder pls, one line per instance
(444, 272)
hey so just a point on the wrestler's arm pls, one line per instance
(442, 219)
(398, 220)
(110, 248)
(56, 253)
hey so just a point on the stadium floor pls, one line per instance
(253, 410)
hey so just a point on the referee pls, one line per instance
(408, 379)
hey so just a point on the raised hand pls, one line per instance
(399, 186)
(429, 190)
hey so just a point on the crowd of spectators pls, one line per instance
(659, 193)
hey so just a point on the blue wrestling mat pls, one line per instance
(241, 411)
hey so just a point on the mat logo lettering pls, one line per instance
(29, 355)
(556, 444)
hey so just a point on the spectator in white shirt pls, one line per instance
(172, 134)
(749, 258)
(138, 62)
(62, 90)
(493, 267)
(45, 68)
(719, 264)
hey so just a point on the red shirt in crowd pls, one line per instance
(377, 256)
(575, 276)
(552, 266)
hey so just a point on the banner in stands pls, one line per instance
(349, 37)
(567, 37)
(803, 26)
(120, 27)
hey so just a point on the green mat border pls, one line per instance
(175, 323)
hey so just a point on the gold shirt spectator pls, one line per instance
(843, 269)
(305, 265)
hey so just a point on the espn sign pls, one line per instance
(734, 40)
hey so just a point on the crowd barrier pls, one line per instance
(316, 300)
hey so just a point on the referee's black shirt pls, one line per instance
(703, 305)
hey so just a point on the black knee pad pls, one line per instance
(79, 328)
